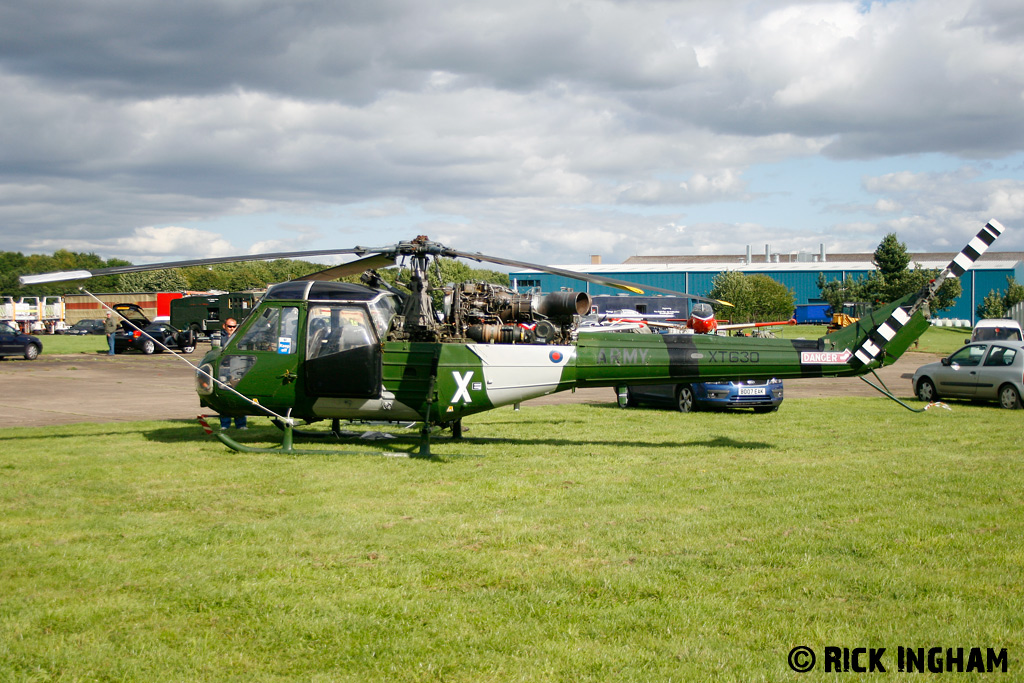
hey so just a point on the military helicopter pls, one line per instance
(314, 349)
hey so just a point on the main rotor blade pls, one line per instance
(118, 270)
(352, 267)
(576, 275)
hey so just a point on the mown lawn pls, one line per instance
(576, 543)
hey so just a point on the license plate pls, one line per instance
(752, 391)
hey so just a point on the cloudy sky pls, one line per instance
(540, 130)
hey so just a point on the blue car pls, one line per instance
(762, 396)
(14, 343)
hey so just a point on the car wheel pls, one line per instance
(1009, 398)
(685, 401)
(624, 397)
(147, 346)
(31, 351)
(926, 390)
(188, 349)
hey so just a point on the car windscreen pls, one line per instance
(997, 334)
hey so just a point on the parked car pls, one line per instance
(14, 343)
(762, 396)
(992, 329)
(87, 326)
(146, 339)
(991, 371)
(143, 334)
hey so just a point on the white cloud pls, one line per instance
(498, 124)
(150, 244)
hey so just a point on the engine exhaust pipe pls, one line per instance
(562, 304)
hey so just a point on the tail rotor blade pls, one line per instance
(963, 261)
(874, 345)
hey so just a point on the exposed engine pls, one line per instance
(489, 313)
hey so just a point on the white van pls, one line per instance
(997, 328)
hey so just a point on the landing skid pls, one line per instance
(287, 446)
(290, 433)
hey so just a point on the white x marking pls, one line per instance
(463, 390)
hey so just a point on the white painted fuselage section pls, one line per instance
(517, 372)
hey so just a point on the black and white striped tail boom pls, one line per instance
(874, 345)
(969, 254)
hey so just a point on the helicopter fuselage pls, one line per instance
(315, 358)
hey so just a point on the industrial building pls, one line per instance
(798, 272)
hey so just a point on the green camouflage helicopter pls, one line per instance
(314, 349)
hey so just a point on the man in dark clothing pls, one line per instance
(230, 325)
(109, 328)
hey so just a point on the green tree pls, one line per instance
(204, 278)
(15, 264)
(755, 298)
(892, 279)
(991, 306)
(838, 292)
(891, 256)
(1014, 293)
(998, 305)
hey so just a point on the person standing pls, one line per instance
(109, 328)
(230, 325)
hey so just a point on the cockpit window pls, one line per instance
(382, 310)
(334, 329)
(274, 330)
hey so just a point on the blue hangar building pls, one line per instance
(798, 272)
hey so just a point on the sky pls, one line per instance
(538, 130)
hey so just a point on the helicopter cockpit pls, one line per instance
(327, 333)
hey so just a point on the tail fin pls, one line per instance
(899, 324)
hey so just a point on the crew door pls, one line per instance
(343, 353)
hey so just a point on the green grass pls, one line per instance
(580, 543)
(62, 344)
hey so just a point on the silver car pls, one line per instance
(992, 370)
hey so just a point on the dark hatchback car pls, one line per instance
(762, 396)
(143, 335)
(14, 343)
(88, 326)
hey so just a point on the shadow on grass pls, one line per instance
(186, 431)
(190, 432)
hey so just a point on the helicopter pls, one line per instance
(314, 349)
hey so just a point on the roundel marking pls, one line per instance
(555, 356)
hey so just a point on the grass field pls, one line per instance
(576, 543)
(60, 344)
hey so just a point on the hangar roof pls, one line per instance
(921, 257)
(705, 263)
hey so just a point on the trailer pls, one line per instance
(34, 314)
(205, 314)
(652, 307)
(812, 314)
